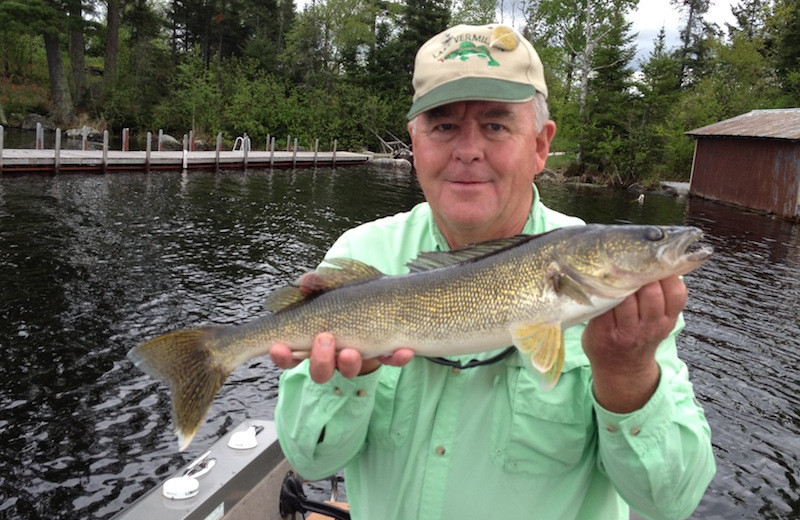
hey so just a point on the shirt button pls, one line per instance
(337, 391)
(456, 371)
(635, 431)
(361, 392)
(440, 450)
(611, 428)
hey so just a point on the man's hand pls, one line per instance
(621, 344)
(325, 359)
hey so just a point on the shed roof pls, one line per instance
(773, 124)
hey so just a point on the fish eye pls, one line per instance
(654, 234)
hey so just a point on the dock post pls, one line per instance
(267, 146)
(39, 137)
(84, 138)
(272, 153)
(288, 140)
(148, 150)
(1, 148)
(245, 149)
(294, 154)
(335, 142)
(160, 139)
(57, 150)
(216, 154)
(126, 142)
(185, 153)
(316, 151)
(191, 140)
(105, 150)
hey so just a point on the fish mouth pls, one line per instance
(685, 252)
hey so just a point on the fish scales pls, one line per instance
(423, 308)
(523, 290)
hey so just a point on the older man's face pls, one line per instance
(475, 161)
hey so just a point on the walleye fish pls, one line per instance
(523, 290)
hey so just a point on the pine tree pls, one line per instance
(788, 49)
(606, 139)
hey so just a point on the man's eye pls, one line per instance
(445, 127)
(495, 127)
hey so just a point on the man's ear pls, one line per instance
(412, 133)
(543, 141)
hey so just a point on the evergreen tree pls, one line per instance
(113, 15)
(421, 20)
(474, 12)
(787, 50)
(606, 140)
(657, 101)
(751, 17)
(307, 60)
(142, 78)
(387, 68)
(693, 51)
(46, 18)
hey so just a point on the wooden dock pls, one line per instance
(49, 161)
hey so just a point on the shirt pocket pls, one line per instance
(394, 411)
(537, 432)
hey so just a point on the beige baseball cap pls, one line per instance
(476, 62)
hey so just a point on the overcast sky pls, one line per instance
(647, 21)
(653, 14)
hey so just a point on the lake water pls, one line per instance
(92, 265)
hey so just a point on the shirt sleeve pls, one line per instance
(321, 427)
(659, 458)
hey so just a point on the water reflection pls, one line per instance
(92, 265)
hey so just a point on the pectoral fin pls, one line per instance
(545, 344)
(566, 285)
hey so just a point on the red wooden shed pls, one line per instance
(751, 160)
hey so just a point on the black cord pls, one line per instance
(472, 363)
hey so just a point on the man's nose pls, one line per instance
(469, 145)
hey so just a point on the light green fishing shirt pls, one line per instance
(430, 442)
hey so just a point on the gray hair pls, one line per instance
(541, 113)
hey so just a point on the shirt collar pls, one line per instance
(528, 228)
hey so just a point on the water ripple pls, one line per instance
(93, 265)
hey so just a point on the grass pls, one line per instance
(560, 163)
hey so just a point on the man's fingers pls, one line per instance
(398, 358)
(281, 355)
(650, 302)
(626, 314)
(676, 294)
(323, 358)
(349, 362)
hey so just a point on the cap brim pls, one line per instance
(472, 89)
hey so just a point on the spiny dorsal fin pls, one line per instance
(322, 279)
(430, 260)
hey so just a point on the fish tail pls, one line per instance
(187, 361)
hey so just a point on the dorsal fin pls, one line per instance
(322, 279)
(430, 260)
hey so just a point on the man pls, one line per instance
(430, 439)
